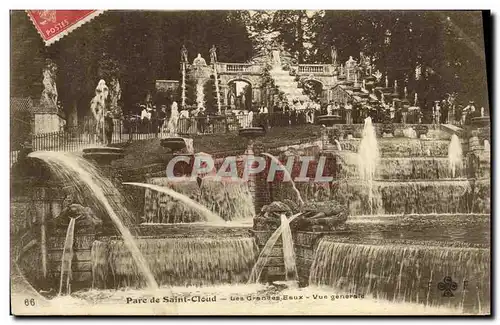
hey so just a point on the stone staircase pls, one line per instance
(287, 84)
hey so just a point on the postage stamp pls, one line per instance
(52, 25)
(250, 162)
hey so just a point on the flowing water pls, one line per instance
(264, 253)
(229, 198)
(288, 175)
(455, 156)
(339, 146)
(404, 272)
(403, 168)
(189, 145)
(200, 96)
(288, 250)
(101, 193)
(175, 261)
(162, 208)
(217, 91)
(202, 210)
(67, 257)
(183, 86)
(368, 159)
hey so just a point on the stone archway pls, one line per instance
(239, 94)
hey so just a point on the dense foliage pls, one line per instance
(142, 46)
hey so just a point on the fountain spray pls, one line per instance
(217, 89)
(183, 86)
(368, 158)
(199, 94)
(454, 155)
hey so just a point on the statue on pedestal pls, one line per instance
(350, 65)
(333, 53)
(276, 57)
(49, 95)
(213, 55)
(184, 54)
(98, 106)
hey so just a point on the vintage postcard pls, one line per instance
(249, 162)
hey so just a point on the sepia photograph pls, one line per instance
(250, 162)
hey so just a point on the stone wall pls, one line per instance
(81, 264)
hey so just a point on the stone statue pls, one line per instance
(323, 216)
(231, 98)
(48, 98)
(184, 54)
(98, 105)
(199, 61)
(276, 58)
(333, 53)
(213, 55)
(350, 63)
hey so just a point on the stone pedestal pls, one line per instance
(48, 122)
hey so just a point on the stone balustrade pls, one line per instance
(238, 68)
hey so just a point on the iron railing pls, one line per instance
(134, 128)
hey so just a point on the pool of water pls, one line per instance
(469, 230)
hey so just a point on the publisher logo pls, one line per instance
(447, 286)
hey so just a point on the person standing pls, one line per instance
(404, 113)
(444, 112)
(162, 115)
(201, 117)
(154, 121)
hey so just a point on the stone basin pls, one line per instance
(251, 132)
(174, 144)
(328, 120)
(103, 155)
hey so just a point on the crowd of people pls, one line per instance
(150, 118)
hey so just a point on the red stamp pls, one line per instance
(52, 25)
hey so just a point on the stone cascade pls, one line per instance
(413, 176)
(287, 84)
